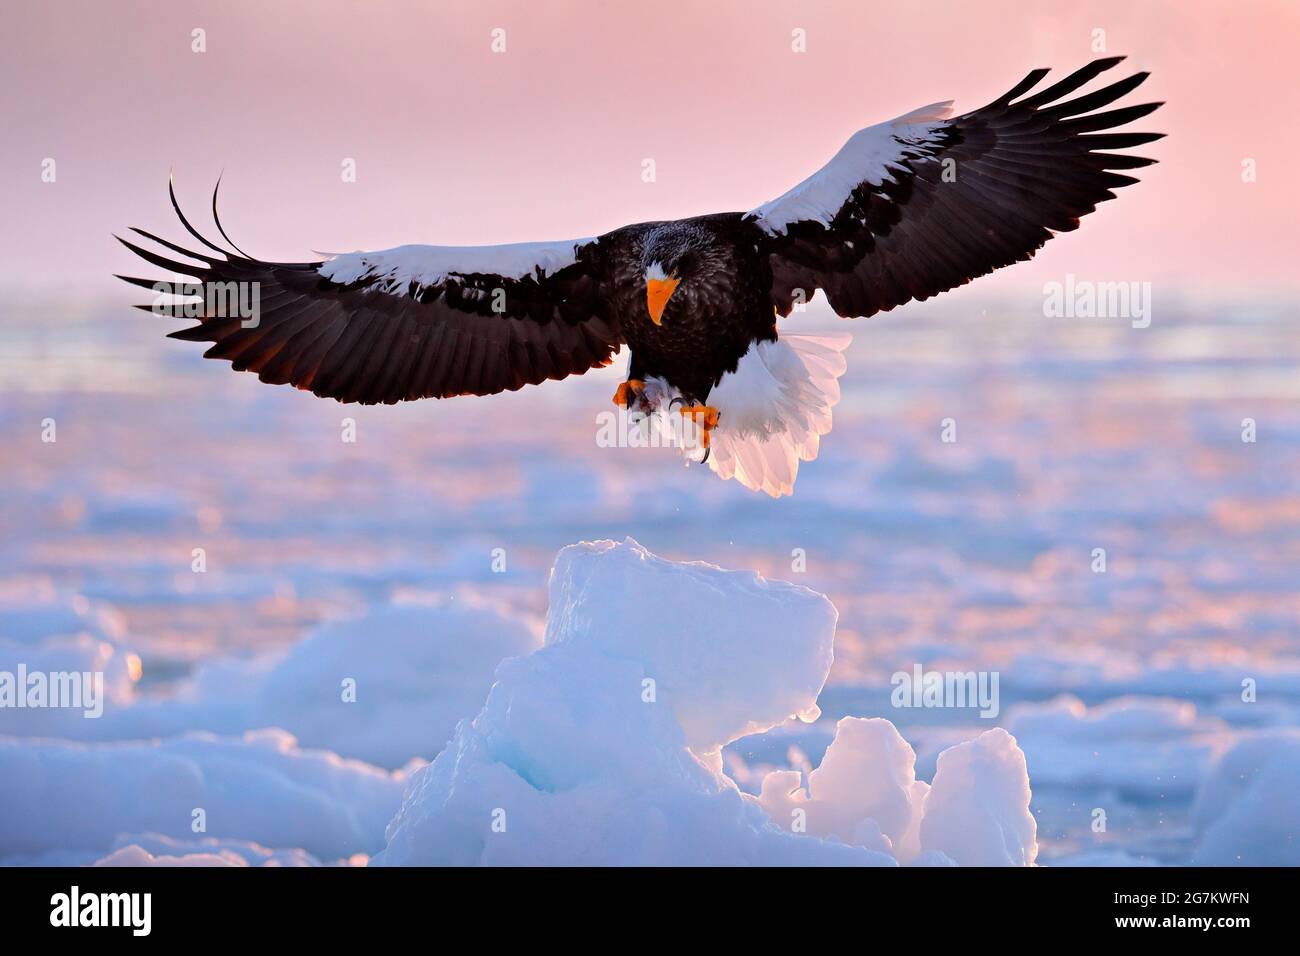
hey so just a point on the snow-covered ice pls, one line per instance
(410, 670)
(417, 670)
(1134, 745)
(152, 849)
(603, 746)
(1247, 810)
(730, 653)
(1127, 688)
(977, 810)
(864, 790)
(260, 787)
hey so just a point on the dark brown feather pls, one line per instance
(359, 344)
(1024, 170)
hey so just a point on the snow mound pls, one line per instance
(730, 653)
(1143, 746)
(865, 789)
(106, 677)
(52, 637)
(385, 686)
(1247, 812)
(153, 849)
(417, 669)
(261, 788)
(1103, 858)
(977, 810)
(33, 614)
(135, 856)
(603, 746)
(865, 792)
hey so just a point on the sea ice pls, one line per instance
(59, 795)
(603, 746)
(1247, 810)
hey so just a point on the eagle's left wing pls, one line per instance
(397, 324)
(924, 203)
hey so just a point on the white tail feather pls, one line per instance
(774, 409)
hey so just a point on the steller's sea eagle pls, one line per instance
(906, 209)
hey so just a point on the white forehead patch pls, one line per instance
(656, 271)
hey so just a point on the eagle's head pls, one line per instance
(673, 254)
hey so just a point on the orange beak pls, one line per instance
(657, 294)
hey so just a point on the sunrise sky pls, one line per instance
(456, 144)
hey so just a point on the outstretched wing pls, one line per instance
(399, 324)
(924, 203)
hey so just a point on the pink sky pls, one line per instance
(456, 144)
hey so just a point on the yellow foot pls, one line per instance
(707, 413)
(628, 392)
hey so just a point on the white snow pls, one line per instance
(730, 653)
(418, 669)
(396, 269)
(99, 669)
(864, 791)
(152, 849)
(871, 155)
(135, 856)
(260, 787)
(977, 810)
(49, 632)
(976, 552)
(1148, 746)
(414, 667)
(32, 613)
(1247, 810)
(603, 746)
(1102, 858)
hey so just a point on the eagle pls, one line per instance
(907, 209)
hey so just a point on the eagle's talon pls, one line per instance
(705, 417)
(707, 412)
(629, 393)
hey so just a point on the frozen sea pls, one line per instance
(1122, 685)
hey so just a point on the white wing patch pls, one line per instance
(868, 156)
(394, 270)
(774, 409)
